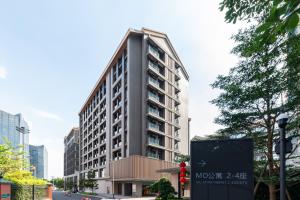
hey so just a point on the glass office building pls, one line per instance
(39, 160)
(15, 129)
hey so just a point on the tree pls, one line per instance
(182, 158)
(69, 184)
(81, 184)
(253, 95)
(91, 182)
(11, 159)
(164, 189)
(23, 177)
(12, 165)
(58, 182)
(279, 16)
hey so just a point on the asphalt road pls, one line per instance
(58, 195)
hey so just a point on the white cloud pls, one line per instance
(3, 72)
(48, 115)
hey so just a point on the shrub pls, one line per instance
(164, 189)
(22, 177)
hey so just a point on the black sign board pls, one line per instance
(222, 169)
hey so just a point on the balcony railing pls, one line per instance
(153, 111)
(117, 105)
(152, 155)
(153, 126)
(153, 96)
(117, 118)
(154, 82)
(154, 66)
(117, 145)
(154, 141)
(117, 131)
(176, 134)
(153, 51)
(177, 121)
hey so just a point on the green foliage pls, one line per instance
(182, 158)
(163, 188)
(11, 164)
(264, 83)
(23, 192)
(82, 184)
(11, 159)
(22, 177)
(277, 14)
(276, 20)
(69, 184)
(90, 182)
(58, 182)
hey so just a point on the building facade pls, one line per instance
(71, 158)
(15, 129)
(137, 113)
(39, 161)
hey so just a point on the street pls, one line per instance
(58, 195)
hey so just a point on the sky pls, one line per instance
(53, 52)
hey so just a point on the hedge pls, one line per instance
(24, 192)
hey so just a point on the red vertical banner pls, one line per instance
(182, 175)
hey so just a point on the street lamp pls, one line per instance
(113, 180)
(282, 120)
(24, 131)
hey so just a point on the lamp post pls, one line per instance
(24, 131)
(282, 122)
(113, 180)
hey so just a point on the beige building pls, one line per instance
(135, 120)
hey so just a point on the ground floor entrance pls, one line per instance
(134, 188)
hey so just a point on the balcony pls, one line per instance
(154, 141)
(102, 152)
(154, 67)
(115, 146)
(153, 51)
(154, 82)
(116, 132)
(153, 96)
(153, 126)
(156, 154)
(117, 118)
(153, 111)
(176, 133)
(153, 155)
(117, 105)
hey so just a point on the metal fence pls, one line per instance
(30, 192)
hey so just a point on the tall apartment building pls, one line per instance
(135, 120)
(15, 129)
(39, 161)
(71, 157)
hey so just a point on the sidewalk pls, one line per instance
(118, 197)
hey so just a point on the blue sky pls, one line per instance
(52, 53)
